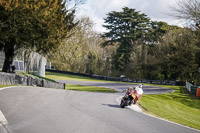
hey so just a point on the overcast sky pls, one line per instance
(155, 9)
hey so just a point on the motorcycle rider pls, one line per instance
(129, 91)
(138, 93)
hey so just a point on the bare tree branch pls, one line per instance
(188, 10)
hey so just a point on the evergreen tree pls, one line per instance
(127, 29)
(39, 25)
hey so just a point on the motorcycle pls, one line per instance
(131, 97)
(127, 100)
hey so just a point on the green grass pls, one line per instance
(48, 79)
(1, 86)
(60, 76)
(89, 88)
(179, 106)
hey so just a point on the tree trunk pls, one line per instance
(9, 55)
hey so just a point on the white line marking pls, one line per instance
(3, 120)
(8, 87)
(12, 87)
(140, 111)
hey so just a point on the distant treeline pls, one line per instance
(134, 46)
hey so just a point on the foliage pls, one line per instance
(153, 50)
(82, 52)
(134, 46)
(126, 29)
(130, 29)
(179, 55)
(38, 25)
(189, 10)
(175, 57)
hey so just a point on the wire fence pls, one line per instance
(26, 61)
(2, 57)
(192, 88)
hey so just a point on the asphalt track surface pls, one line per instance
(120, 87)
(44, 110)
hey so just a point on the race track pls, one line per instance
(44, 110)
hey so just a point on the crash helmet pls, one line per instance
(140, 85)
(130, 88)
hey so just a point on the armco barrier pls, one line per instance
(165, 82)
(13, 79)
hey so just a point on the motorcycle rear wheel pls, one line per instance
(123, 103)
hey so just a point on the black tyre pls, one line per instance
(123, 103)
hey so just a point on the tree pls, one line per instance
(37, 25)
(157, 30)
(126, 29)
(82, 52)
(129, 29)
(177, 55)
(188, 10)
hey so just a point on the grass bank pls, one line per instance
(89, 88)
(179, 106)
(60, 76)
(1, 86)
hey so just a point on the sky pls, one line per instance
(157, 10)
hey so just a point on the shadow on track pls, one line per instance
(112, 105)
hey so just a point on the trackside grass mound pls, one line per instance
(179, 106)
(1, 86)
(60, 76)
(89, 88)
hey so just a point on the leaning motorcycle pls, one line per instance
(127, 100)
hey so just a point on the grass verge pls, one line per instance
(179, 106)
(60, 76)
(1, 86)
(89, 88)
